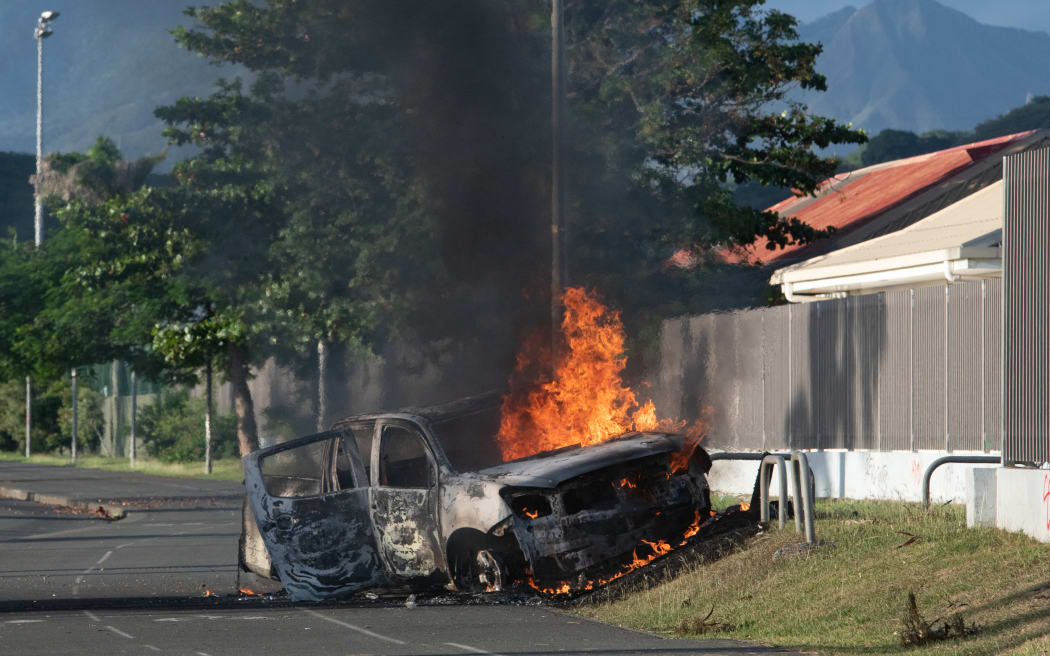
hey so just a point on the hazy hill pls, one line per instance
(918, 65)
(109, 63)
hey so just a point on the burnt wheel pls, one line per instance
(482, 569)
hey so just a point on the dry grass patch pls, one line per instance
(849, 596)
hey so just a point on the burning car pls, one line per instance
(422, 498)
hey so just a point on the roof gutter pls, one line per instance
(803, 291)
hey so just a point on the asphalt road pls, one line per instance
(72, 582)
(433, 631)
(47, 553)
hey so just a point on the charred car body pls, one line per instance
(421, 498)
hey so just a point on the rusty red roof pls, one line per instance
(848, 201)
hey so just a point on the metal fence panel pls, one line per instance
(866, 332)
(1026, 295)
(929, 375)
(992, 372)
(895, 364)
(669, 391)
(776, 330)
(965, 366)
(901, 370)
(801, 420)
(750, 365)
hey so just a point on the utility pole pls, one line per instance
(42, 31)
(557, 201)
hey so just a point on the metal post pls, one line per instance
(207, 418)
(557, 202)
(804, 504)
(73, 445)
(29, 416)
(38, 209)
(768, 462)
(134, 408)
(322, 391)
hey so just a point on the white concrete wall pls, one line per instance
(1022, 501)
(895, 475)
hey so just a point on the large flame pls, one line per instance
(655, 549)
(587, 401)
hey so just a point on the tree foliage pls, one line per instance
(389, 166)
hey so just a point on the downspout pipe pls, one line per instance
(948, 275)
(970, 460)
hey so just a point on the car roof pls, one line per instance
(436, 413)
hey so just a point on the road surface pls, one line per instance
(72, 582)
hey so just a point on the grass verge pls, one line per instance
(227, 469)
(849, 596)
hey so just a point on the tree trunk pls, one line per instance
(247, 434)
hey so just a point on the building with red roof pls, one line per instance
(887, 197)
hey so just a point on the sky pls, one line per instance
(1025, 14)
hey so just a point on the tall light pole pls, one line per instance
(42, 31)
(557, 202)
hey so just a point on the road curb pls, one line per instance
(114, 512)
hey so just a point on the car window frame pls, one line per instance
(377, 449)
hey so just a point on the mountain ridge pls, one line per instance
(919, 65)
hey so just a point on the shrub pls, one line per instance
(172, 429)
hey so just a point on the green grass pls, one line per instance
(227, 469)
(848, 597)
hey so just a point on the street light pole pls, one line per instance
(38, 215)
(42, 31)
(557, 202)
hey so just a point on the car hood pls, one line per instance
(554, 468)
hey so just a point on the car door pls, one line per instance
(310, 501)
(404, 498)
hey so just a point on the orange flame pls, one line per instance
(206, 593)
(587, 402)
(531, 514)
(658, 548)
(248, 592)
(745, 507)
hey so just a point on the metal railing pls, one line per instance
(802, 493)
(973, 460)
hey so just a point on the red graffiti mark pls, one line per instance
(916, 470)
(1046, 499)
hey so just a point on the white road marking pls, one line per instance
(103, 558)
(172, 619)
(471, 649)
(126, 544)
(201, 653)
(151, 647)
(92, 616)
(347, 625)
(22, 621)
(119, 632)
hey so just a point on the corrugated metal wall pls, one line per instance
(913, 369)
(1026, 294)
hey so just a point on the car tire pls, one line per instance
(482, 569)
